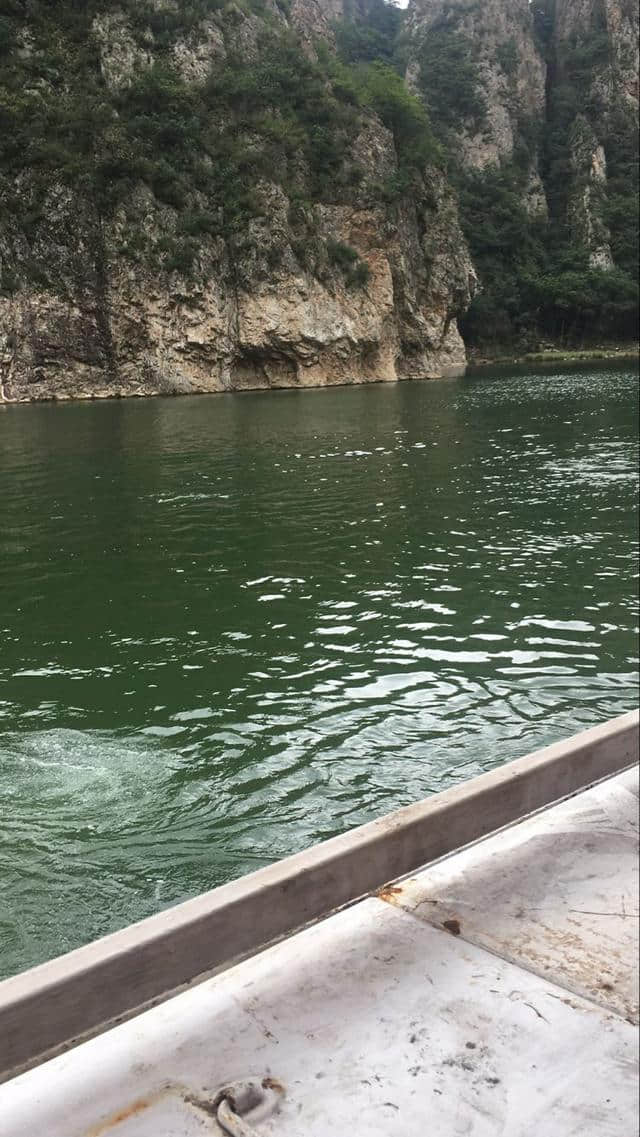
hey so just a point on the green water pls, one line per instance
(233, 626)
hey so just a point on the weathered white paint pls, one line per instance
(58, 1002)
(558, 899)
(378, 1021)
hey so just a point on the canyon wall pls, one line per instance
(324, 276)
(209, 195)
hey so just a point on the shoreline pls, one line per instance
(627, 353)
(476, 364)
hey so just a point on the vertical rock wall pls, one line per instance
(498, 36)
(595, 48)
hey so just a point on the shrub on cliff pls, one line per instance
(382, 89)
(448, 79)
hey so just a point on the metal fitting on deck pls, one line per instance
(245, 1104)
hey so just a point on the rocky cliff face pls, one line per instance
(497, 73)
(594, 97)
(615, 76)
(111, 328)
(203, 196)
(530, 80)
(536, 105)
(347, 283)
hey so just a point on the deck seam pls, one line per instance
(506, 959)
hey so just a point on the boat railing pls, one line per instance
(53, 1006)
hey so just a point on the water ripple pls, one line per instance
(234, 626)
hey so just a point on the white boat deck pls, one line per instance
(493, 993)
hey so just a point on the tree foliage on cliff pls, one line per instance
(448, 79)
(534, 286)
(279, 112)
(273, 113)
(536, 278)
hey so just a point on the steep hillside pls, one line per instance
(537, 106)
(201, 197)
(483, 78)
(592, 140)
(216, 194)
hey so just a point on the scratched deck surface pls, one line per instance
(493, 993)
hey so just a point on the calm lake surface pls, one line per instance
(233, 626)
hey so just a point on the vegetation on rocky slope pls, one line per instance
(264, 112)
(271, 109)
(539, 277)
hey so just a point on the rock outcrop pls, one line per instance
(122, 331)
(310, 292)
(594, 52)
(614, 76)
(588, 193)
(204, 197)
(492, 46)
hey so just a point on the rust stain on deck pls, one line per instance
(125, 1114)
(270, 1083)
(389, 893)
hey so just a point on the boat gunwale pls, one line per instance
(65, 1000)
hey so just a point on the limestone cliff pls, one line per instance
(593, 60)
(205, 195)
(482, 73)
(278, 246)
(609, 30)
(536, 106)
(114, 328)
